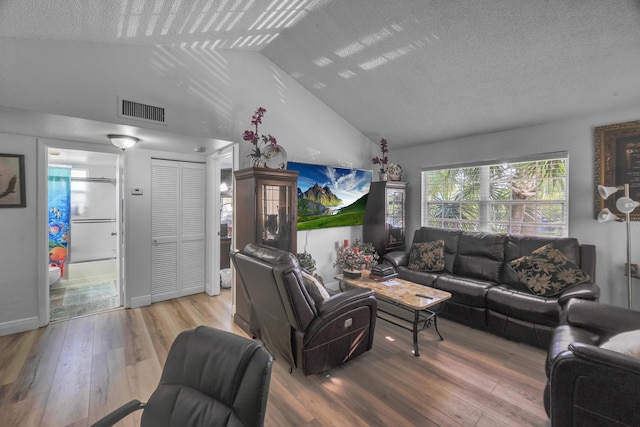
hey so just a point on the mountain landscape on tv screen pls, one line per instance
(330, 196)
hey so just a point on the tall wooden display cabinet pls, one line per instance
(385, 219)
(265, 208)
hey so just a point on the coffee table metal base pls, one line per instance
(419, 321)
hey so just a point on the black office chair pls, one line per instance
(211, 378)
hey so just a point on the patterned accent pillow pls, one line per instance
(315, 289)
(427, 256)
(548, 272)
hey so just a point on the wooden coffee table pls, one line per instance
(406, 302)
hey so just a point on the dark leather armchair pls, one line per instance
(588, 385)
(211, 378)
(306, 334)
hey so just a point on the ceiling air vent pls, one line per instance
(140, 111)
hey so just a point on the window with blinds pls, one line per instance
(527, 196)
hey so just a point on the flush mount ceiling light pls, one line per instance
(123, 141)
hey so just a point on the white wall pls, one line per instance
(206, 93)
(18, 246)
(575, 136)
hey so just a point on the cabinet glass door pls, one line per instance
(275, 227)
(395, 217)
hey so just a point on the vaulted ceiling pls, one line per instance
(412, 71)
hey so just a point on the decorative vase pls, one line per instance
(275, 157)
(351, 274)
(382, 176)
(394, 172)
(258, 162)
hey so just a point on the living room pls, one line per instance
(59, 91)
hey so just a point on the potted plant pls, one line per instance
(264, 146)
(306, 261)
(382, 160)
(353, 259)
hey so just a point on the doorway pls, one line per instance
(226, 218)
(83, 224)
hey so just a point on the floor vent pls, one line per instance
(137, 110)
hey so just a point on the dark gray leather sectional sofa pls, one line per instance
(486, 292)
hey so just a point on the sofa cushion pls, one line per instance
(480, 256)
(450, 237)
(627, 343)
(422, 277)
(427, 256)
(315, 289)
(510, 278)
(563, 335)
(523, 305)
(471, 292)
(519, 246)
(548, 272)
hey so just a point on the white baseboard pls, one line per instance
(20, 325)
(140, 301)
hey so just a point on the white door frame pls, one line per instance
(213, 219)
(43, 216)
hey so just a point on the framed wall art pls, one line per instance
(617, 162)
(330, 196)
(12, 188)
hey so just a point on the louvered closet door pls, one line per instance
(177, 223)
(192, 185)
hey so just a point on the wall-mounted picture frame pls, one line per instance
(617, 162)
(12, 188)
(330, 196)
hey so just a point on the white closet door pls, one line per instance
(164, 229)
(177, 223)
(192, 217)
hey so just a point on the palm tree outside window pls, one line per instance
(525, 196)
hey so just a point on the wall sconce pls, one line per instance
(625, 205)
(123, 141)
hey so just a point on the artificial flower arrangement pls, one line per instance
(359, 256)
(382, 161)
(260, 154)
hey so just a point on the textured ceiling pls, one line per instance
(411, 71)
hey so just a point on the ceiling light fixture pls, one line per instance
(123, 141)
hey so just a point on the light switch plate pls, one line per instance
(136, 191)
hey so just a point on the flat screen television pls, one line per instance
(330, 196)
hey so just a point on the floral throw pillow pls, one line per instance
(315, 289)
(427, 256)
(547, 271)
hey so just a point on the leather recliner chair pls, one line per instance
(306, 334)
(211, 377)
(589, 385)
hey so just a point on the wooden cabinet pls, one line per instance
(225, 248)
(265, 210)
(385, 218)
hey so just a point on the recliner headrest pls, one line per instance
(270, 255)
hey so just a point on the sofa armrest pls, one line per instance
(343, 298)
(397, 258)
(359, 305)
(586, 291)
(602, 356)
(589, 385)
(604, 318)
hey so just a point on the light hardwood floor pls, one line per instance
(73, 372)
